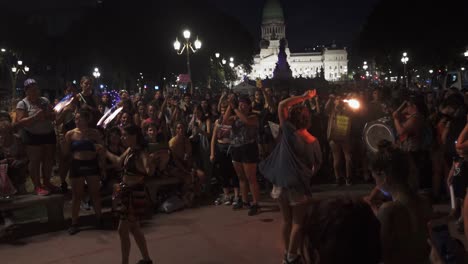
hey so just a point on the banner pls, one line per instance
(184, 78)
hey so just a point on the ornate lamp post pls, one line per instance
(17, 69)
(187, 47)
(405, 60)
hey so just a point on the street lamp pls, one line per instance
(15, 70)
(466, 53)
(3, 50)
(431, 71)
(223, 61)
(187, 47)
(405, 60)
(217, 55)
(365, 66)
(96, 74)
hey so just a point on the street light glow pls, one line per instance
(231, 65)
(177, 44)
(231, 59)
(431, 71)
(223, 61)
(466, 53)
(186, 34)
(3, 50)
(198, 44)
(96, 69)
(26, 68)
(462, 68)
(217, 55)
(405, 54)
(13, 69)
(20, 62)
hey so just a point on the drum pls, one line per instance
(376, 131)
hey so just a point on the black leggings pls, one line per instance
(223, 168)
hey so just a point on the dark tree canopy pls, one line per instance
(433, 32)
(124, 38)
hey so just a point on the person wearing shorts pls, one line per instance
(290, 167)
(35, 116)
(244, 150)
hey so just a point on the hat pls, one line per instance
(29, 82)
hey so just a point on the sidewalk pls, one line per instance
(206, 235)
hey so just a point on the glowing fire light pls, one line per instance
(353, 103)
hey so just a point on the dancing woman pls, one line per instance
(137, 165)
(290, 167)
(80, 146)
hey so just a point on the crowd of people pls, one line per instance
(231, 138)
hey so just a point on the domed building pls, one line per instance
(333, 60)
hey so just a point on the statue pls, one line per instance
(282, 70)
(322, 73)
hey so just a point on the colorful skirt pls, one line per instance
(131, 201)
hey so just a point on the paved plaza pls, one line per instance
(205, 235)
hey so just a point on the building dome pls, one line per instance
(273, 12)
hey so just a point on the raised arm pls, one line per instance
(213, 141)
(268, 102)
(221, 99)
(286, 103)
(163, 108)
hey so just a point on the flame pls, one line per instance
(353, 103)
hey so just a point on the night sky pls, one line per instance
(309, 22)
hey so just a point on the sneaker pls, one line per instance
(41, 191)
(348, 182)
(253, 209)
(73, 230)
(227, 200)
(237, 204)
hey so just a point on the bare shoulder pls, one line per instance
(309, 138)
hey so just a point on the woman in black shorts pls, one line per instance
(244, 149)
(34, 115)
(80, 144)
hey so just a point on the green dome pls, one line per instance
(272, 11)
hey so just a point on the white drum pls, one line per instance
(376, 131)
